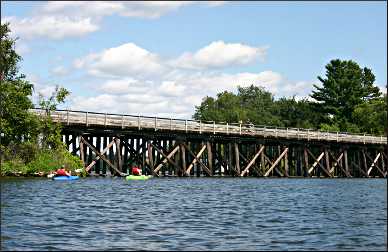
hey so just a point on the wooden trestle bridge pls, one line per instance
(111, 143)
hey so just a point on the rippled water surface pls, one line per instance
(194, 214)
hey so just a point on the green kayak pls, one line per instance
(141, 177)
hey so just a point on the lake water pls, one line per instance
(194, 214)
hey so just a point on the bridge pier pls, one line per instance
(164, 153)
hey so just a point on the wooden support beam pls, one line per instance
(327, 160)
(336, 161)
(286, 164)
(247, 162)
(98, 157)
(230, 159)
(196, 159)
(150, 156)
(237, 159)
(183, 159)
(97, 162)
(81, 151)
(271, 163)
(362, 171)
(74, 142)
(262, 160)
(374, 164)
(166, 157)
(317, 162)
(306, 162)
(252, 161)
(276, 162)
(346, 163)
(365, 163)
(101, 156)
(209, 157)
(118, 155)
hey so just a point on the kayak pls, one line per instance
(66, 178)
(141, 177)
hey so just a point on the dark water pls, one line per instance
(194, 214)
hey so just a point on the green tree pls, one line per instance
(371, 116)
(259, 105)
(346, 86)
(51, 131)
(16, 123)
(298, 114)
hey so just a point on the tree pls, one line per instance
(299, 114)
(51, 131)
(371, 116)
(346, 86)
(15, 120)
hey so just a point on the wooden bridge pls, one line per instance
(111, 143)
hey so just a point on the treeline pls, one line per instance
(347, 101)
(28, 144)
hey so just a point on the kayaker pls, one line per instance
(136, 171)
(62, 172)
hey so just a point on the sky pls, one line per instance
(162, 58)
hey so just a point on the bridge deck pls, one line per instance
(68, 117)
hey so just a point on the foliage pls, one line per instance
(345, 87)
(20, 152)
(17, 124)
(51, 131)
(347, 101)
(371, 116)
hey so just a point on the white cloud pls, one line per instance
(125, 60)
(50, 27)
(62, 19)
(142, 9)
(126, 85)
(60, 70)
(220, 54)
(176, 96)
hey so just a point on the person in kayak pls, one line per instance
(62, 172)
(136, 171)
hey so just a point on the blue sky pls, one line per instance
(161, 59)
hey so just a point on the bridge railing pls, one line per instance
(69, 117)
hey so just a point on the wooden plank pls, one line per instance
(252, 161)
(98, 157)
(102, 157)
(276, 162)
(237, 159)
